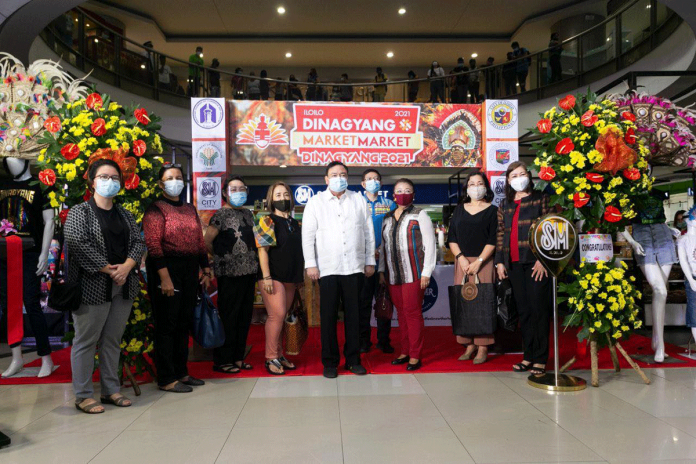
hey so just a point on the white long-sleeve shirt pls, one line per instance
(337, 234)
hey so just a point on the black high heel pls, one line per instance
(414, 367)
(398, 361)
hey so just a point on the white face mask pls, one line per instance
(519, 183)
(173, 187)
(477, 192)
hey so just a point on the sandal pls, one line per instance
(227, 369)
(119, 401)
(178, 388)
(90, 407)
(287, 364)
(245, 366)
(521, 367)
(537, 370)
(275, 363)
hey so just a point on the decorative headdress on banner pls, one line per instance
(663, 127)
(28, 96)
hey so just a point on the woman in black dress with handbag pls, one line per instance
(471, 237)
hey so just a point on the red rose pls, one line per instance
(139, 148)
(547, 173)
(631, 174)
(589, 119)
(133, 182)
(52, 125)
(99, 127)
(87, 196)
(628, 116)
(544, 126)
(63, 215)
(47, 177)
(70, 151)
(594, 177)
(94, 101)
(630, 136)
(580, 199)
(612, 214)
(142, 117)
(567, 103)
(565, 146)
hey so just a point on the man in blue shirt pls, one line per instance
(378, 206)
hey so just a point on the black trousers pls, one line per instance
(367, 295)
(522, 80)
(534, 308)
(172, 317)
(556, 70)
(32, 299)
(332, 290)
(474, 91)
(236, 306)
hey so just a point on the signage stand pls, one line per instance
(553, 240)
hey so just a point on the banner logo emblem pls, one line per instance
(262, 133)
(208, 113)
(502, 115)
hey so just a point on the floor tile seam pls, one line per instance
(217, 458)
(557, 424)
(40, 417)
(446, 421)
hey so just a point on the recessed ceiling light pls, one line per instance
(390, 54)
(402, 11)
(281, 10)
(474, 55)
(288, 55)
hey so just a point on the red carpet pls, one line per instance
(440, 355)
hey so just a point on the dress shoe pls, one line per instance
(414, 367)
(358, 369)
(193, 382)
(330, 372)
(398, 361)
(481, 357)
(365, 348)
(387, 349)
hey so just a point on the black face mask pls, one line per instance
(281, 205)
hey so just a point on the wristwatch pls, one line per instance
(458, 256)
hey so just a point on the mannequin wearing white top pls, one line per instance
(16, 167)
(686, 249)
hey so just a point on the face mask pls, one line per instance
(681, 225)
(237, 198)
(281, 205)
(173, 188)
(519, 183)
(107, 188)
(476, 193)
(403, 199)
(338, 184)
(372, 185)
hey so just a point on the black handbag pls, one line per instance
(507, 308)
(207, 325)
(63, 296)
(474, 316)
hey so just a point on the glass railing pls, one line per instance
(89, 43)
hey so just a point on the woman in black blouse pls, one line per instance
(279, 239)
(472, 235)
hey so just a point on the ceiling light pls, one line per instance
(648, 6)
(288, 55)
(88, 25)
(76, 19)
(96, 41)
(390, 54)
(283, 166)
(518, 84)
(474, 55)
(281, 10)
(142, 66)
(402, 11)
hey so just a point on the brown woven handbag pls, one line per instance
(296, 326)
(384, 309)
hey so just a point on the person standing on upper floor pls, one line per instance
(380, 91)
(230, 239)
(474, 82)
(437, 83)
(214, 79)
(313, 93)
(412, 87)
(346, 90)
(164, 74)
(175, 254)
(294, 91)
(194, 72)
(408, 256)
(555, 51)
(492, 78)
(237, 83)
(338, 243)
(510, 75)
(531, 285)
(279, 90)
(521, 66)
(253, 87)
(460, 83)
(264, 86)
(377, 207)
(472, 237)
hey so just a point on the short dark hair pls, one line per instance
(681, 211)
(333, 164)
(199, 48)
(509, 191)
(489, 191)
(515, 45)
(460, 60)
(94, 168)
(490, 58)
(405, 180)
(227, 184)
(166, 167)
(367, 171)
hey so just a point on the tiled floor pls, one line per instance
(427, 418)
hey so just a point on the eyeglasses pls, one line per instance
(105, 177)
(238, 189)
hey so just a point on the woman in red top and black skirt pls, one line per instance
(531, 285)
(176, 252)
